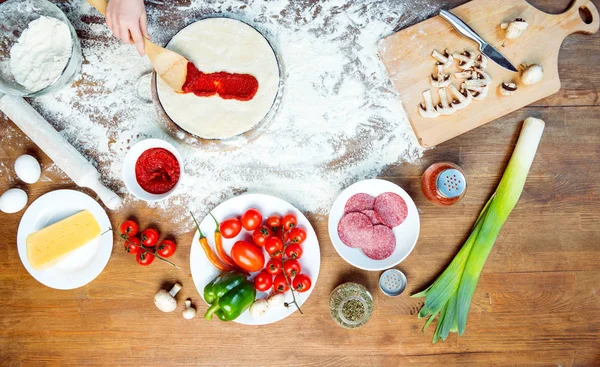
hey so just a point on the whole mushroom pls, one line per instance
(165, 301)
(189, 311)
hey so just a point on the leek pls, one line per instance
(449, 297)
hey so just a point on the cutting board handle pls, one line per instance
(582, 16)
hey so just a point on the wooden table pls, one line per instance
(537, 302)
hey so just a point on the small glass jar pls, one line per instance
(351, 305)
(444, 183)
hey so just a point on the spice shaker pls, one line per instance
(444, 183)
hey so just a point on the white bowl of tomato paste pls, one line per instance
(152, 169)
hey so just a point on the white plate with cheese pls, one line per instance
(71, 268)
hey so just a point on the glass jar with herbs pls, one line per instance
(350, 305)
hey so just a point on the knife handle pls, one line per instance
(462, 27)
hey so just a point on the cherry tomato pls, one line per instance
(279, 284)
(230, 227)
(263, 281)
(297, 235)
(247, 256)
(274, 221)
(279, 233)
(144, 258)
(293, 251)
(129, 228)
(261, 235)
(251, 219)
(301, 283)
(274, 267)
(274, 247)
(289, 221)
(292, 267)
(132, 245)
(166, 248)
(149, 237)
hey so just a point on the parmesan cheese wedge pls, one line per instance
(45, 247)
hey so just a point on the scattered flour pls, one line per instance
(41, 53)
(339, 119)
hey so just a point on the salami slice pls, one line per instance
(391, 209)
(382, 244)
(359, 202)
(355, 229)
(371, 214)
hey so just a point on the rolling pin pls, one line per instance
(82, 172)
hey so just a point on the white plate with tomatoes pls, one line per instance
(309, 262)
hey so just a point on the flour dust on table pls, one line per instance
(339, 119)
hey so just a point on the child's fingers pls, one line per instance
(109, 20)
(143, 25)
(136, 34)
(124, 31)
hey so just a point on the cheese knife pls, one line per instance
(484, 47)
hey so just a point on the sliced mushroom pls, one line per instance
(531, 74)
(478, 93)
(515, 28)
(427, 110)
(481, 61)
(466, 59)
(441, 80)
(444, 107)
(462, 98)
(463, 74)
(506, 89)
(444, 59)
(478, 78)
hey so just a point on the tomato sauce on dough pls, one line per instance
(157, 171)
(242, 87)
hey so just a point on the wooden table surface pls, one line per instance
(537, 302)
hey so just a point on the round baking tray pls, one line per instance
(220, 144)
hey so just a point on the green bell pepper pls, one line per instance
(229, 294)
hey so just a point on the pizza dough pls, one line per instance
(222, 44)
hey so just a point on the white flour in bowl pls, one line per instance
(41, 53)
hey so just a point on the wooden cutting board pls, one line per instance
(407, 58)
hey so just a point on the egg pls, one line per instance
(28, 169)
(13, 200)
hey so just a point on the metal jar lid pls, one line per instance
(451, 183)
(392, 282)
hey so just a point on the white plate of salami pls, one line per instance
(374, 224)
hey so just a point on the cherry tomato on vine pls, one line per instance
(144, 258)
(251, 219)
(260, 235)
(149, 237)
(263, 281)
(279, 284)
(274, 247)
(230, 227)
(292, 267)
(274, 221)
(132, 245)
(297, 235)
(289, 221)
(166, 248)
(293, 251)
(301, 283)
(129, 228)
(274, 267)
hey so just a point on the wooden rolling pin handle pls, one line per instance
(580, 12)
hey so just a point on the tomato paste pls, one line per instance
(157, 170)
(242, 87)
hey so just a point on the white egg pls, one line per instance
(13, 200)
(28, 169)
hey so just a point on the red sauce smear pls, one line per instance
(242, 87)
(157, 171)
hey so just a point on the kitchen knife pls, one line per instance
(484, 47)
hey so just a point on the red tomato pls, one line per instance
(251, 219)
(293, 251)
(274, 247)
(274, 221)
(129, 228)
(279, 284)
(149, 237)
(261, 235)
(297, 235)
(230, 227)
(274, 267)
(263, 281)
(132, 245)
(279, 233)
(289, 221)
(292, 267)
(166, 248)
(144, 258)
(301, 283)
(247, 256)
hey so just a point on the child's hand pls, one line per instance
(127, 20)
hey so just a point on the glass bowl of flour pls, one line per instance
(39, 48)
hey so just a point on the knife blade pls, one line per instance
(485, 48)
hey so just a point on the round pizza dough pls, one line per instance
(222, 44)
